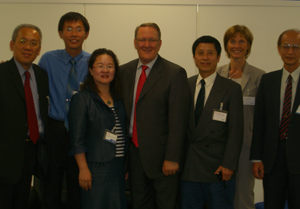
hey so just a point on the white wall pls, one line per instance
(181, 22)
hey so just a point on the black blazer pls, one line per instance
(162, 112)
(213, 143)
(267, 121)
(13, 117)
(89, 118)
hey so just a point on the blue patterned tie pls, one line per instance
(71, 87)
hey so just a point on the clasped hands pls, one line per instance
(170, 167)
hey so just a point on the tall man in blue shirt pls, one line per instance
(65, 67)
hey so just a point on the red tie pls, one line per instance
(31, 115)
(286, 111)
(141, 83)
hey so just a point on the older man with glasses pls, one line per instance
(276, 142)
(23, 116)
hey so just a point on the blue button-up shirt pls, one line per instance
(57, 64)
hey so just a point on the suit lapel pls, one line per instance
(275, 91)
(224, 72)
(296, 100)
(214, 96)
(16, 78)
(245, 76)
(192, 85)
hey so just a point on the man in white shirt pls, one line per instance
(276, 129)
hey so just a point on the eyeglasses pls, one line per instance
(286, 47)
(143, 41)
(24, 42)
(69, 29)
(102, 67)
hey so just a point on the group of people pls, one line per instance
(186, 143)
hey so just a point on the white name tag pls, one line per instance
(249, 100)
(220, 115)
(110, 137)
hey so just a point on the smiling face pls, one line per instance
(26, 47)
(103, 70)
(73, 34)
(147, 44)
(237, 46)
(206, 59)
(291, 56)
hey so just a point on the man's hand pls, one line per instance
(170, 167)
(226, 173)
(258, 170)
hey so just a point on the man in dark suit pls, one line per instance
(215, 132)
(23, 116)
(156, 98)
(276, 130)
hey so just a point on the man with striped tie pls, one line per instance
(276, 129)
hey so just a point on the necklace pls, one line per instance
(230, 77)
(106, 99)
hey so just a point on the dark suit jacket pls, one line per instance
(214, 143)
(89, 118)
(162, 112)
(13, 118)
(267, 121)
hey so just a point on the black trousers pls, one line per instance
(16, 196)
(60, 163)
(280, 184)
(147, 193)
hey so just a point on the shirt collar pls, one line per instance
(21, 69)
(208, 80)
(295, 74)
(67, 57)
(149, 65)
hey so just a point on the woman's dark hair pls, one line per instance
(115, 85)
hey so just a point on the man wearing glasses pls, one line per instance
(156, 99)
(66, 68)
(276, 129)
(23, 116)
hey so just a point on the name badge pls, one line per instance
(110, 136)
(249, 100)
(220, 115)
(298, 110)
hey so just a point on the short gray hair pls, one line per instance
(19, 27)
(149, 24)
